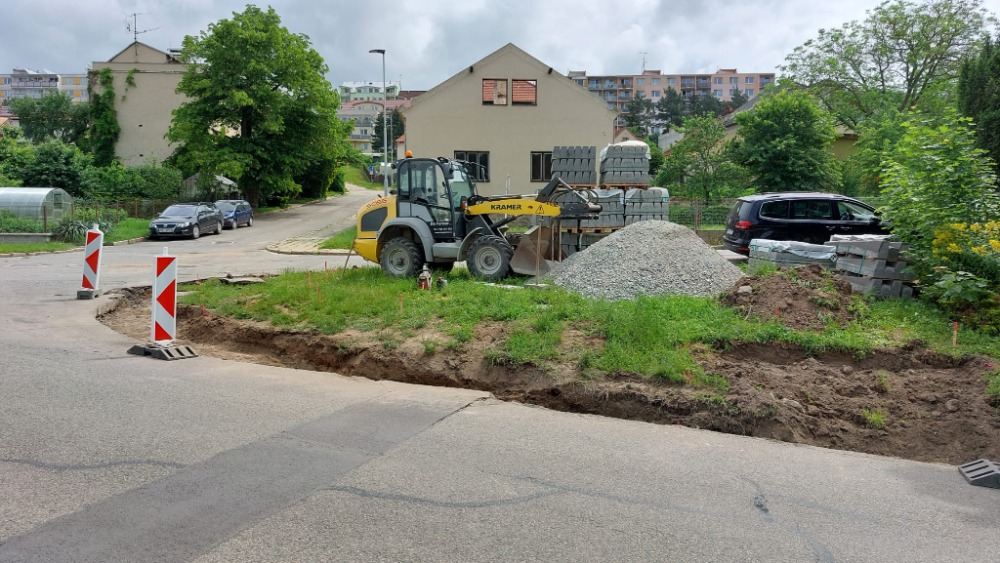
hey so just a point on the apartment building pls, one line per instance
(28, 83)
(618, 90)
(367, 91)
(364, 114)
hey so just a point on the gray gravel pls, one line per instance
(647, 258)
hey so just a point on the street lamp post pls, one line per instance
(385, 116)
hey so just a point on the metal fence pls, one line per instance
(26, 220)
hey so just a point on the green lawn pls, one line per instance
(342, 240)
(653, 337)
(125, 230)
(355, 176)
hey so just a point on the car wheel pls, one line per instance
(218, 227)
(401, 258)
(195, 232)
(250, 221)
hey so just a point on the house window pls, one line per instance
(749, 80)
(749, 92)
(734, 80)
(478, 162)
(656, 82)
(671, 81)
(494, 91)
(541, 166)
(717, 93)
(640, 81)
(717, 80)
(655, 93)
(525, 92)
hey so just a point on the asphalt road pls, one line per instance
(111, 457)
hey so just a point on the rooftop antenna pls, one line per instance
(133, 26)
(643, 53)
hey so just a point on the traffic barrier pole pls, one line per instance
(90, 286)
(164, 306)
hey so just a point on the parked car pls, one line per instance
(186, 220)
(235, 212)
(799, 216)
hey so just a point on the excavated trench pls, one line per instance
(934, 405)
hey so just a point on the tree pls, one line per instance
(394, 130)
(260, 110)
(904, 54)
(58, 165)
(638, 114)
(935, 177)
(104, 129)
(671, 108)
(698, 165)
(785, 142)
(53, 116)
(736, 99)
(979, 96)
(704, 105)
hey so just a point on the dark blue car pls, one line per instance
(235, 213)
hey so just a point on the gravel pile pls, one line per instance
(647, 258)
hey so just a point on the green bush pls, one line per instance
(10, 223)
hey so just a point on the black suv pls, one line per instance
(800, 216)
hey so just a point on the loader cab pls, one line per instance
(432, 190)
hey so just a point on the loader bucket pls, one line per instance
(533, 254)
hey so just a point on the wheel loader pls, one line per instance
(434, 217)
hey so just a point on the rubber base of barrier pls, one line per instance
(88, 293)
(163, 352)
(982, 473)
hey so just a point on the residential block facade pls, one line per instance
(28, 83)
(617, 90)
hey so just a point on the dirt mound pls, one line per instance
(806, 298)
(908, 402)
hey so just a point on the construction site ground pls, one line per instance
(934, 406)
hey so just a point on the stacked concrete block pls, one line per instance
(575, 165)
(625, 165)
(651, 204)
(873, 264)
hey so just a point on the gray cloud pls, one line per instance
(428, 41)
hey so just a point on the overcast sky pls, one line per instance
(428, 41)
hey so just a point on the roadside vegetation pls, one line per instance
(651, 337)
(342, 240)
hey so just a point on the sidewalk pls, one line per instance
(308, 243)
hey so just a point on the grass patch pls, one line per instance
(993, 386)
(874, 419)
(355, 176)
(32, 247)
(128, 229)
(342, 240)
(654, 337)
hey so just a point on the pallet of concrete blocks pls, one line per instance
(788, 254)
(612, 214)
(873, 264)
(575, 165)
(651, 204)
(625, 164)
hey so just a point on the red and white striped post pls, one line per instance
(164, 326)
(91, 265)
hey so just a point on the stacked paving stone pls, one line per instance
(789, 254)
(575, 165)
(873, 264)
(619, 208)
(625, 165)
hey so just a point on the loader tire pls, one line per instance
(488, 258)
(401, 258)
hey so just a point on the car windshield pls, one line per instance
(461, 184)
(225, 206)
(179, 211)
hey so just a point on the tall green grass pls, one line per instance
(654, 337)
(342, 240)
